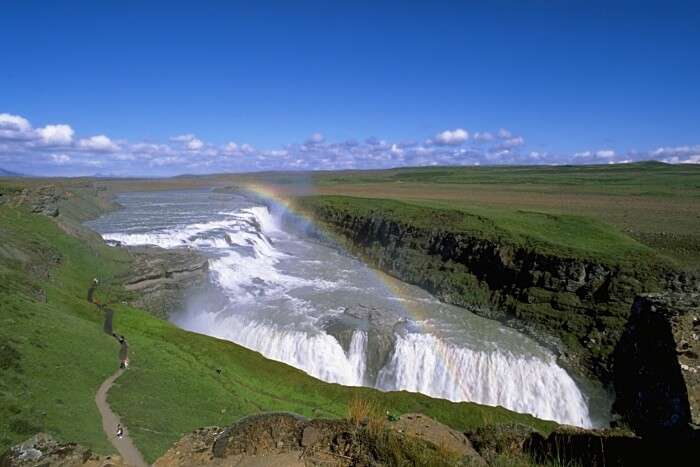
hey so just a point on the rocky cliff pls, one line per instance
(657, 364)
(577, 305)
(161, 279)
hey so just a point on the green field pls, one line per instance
(54, 355)
(658, 205)
(563, 235)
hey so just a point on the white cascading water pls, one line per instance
(420, 361)
(317, 353)
(423, 363)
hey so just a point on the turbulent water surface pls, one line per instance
(295, 299)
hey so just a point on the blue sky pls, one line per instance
(133, 87)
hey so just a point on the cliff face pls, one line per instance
(161, 280)
(657, 364)
(582, 303)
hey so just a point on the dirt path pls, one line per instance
(124, 446)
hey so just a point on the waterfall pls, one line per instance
(271, 311)
(423, 363)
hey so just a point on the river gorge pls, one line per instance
(280, 290)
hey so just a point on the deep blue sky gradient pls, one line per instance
(567, 75)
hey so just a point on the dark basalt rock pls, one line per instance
(657, 370)
(600, 448)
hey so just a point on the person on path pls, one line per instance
(120, 431)
(91, 290)
(123, 351)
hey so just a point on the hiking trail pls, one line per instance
(125, 446)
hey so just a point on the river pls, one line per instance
(282, 292)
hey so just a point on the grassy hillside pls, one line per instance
(562, 235)
(54, 356)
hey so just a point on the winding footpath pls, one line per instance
(124, 445)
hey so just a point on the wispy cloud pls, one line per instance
(54, 149)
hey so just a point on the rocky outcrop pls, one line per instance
(292, 440)
(657, 364)
(41, 200)
(160, 279)
(419, 426)
(41, 450)
(380, 327)
(576, 306)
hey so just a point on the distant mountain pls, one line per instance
(7, 173)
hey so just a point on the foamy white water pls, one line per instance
(283, 289)
(426, 364)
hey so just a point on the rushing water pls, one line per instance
(297, 300)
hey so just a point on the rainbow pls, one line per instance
(410, 309)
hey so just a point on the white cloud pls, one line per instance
(190, 141)
(21, 146)
(56, 134)
(98, 143)
(504, 134)
(623, 161)
(679, 154)
(231, 148)
(60, 159)
(14, 123)
(396, 151)
(605, 153)
(513, 142)
(195, 144)
(316, 138)
(483, 137)
(452, 137)
(15, 128)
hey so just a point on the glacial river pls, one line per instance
(283, 293)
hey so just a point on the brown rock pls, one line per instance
(42, 450)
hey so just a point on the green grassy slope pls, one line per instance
(553, 234)
(54, 356)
